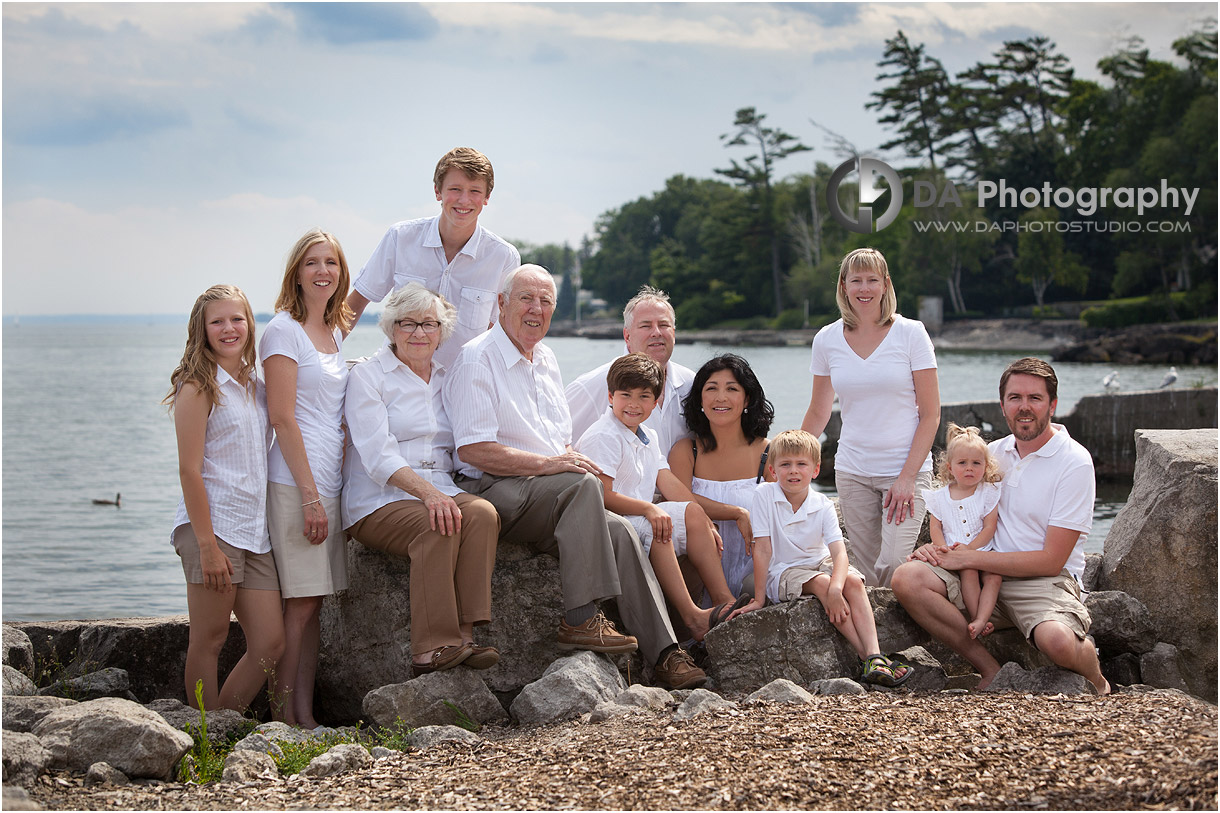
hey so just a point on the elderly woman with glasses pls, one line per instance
(399, 496)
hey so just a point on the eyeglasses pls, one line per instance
(408, 326)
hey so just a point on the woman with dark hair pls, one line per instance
(730, 416)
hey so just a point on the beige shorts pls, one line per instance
(643, 528)
(1026, 603)
(792, 580)
(253, 571)
(305, 569)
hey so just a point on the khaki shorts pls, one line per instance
(305, 569)
(1026, 603)
(253, 571)
(677, 512)
(792, 580)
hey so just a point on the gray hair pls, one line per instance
(506, 289)
(414, 299)
(647, 294)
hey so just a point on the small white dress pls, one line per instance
(962, 520)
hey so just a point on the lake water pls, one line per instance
(82, 420)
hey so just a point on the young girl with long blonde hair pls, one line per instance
(220, 531)
(965, 511)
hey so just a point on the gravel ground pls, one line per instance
(883, 750)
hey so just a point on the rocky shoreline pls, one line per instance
(1064, 340)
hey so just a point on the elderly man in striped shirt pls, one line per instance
(513, 434)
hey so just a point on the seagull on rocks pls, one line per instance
(1110, 382)
(1169, 378)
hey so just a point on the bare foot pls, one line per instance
(1104, 688)
(980, 627)
(699, 624)
(986, 681)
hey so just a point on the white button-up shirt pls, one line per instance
(495, 394)
(235, 466)
(587, 402)
(396, 420)
(411, 251)
(631, 459)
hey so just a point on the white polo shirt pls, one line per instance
(395, 419)
(798, 538)
(1052, 486)
(632, 461)
(493, 393)
(587, 401)
(411, 251)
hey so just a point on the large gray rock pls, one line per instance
(16, 684)
(342, 758)
(108, 682)
(430, 736)
(15, 798)
(430, 700)
(1047, 680)
(151, 650)
(793, 640)
(1161, 548)
(249, 766)
(23, 713)
(25, 757)
(1122, 670)
(929, 674)
(1121, 623)
(130, 737)
(1162, 667)
(18, 650)
(837, 686)
(569, 687)
(223, 724)
(259, 743)
(366, 630)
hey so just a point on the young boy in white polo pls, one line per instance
(799, 551)
(634, 469)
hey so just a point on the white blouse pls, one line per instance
(962, 520)
(235, 467)
(321, 381)
(395, 419)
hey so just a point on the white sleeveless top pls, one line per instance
(235, 467)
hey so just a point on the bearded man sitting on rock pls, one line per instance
(1046, 513)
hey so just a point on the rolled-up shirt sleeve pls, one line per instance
(368, 422)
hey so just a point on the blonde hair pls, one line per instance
(198, 365)
(969, 437)
(292, 297)
(796, 443)
(872, 259)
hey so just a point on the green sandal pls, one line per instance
(881, 671)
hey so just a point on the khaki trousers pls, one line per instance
(450, 575)
(599, 554)
(879, 547)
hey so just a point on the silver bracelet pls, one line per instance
(304, 504)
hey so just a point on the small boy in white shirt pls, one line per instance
(634, 468)
(799, 550)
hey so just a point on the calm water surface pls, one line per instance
(82, 420)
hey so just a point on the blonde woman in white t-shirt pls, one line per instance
(306, 381)
(883, 368)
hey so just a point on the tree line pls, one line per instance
(754, 243)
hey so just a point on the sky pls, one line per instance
(151, 150)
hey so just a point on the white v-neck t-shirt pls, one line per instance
(876, 395)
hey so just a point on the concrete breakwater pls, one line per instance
(1104, 424)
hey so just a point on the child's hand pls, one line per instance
(662, 524)
(755, 604)
(836, 605)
